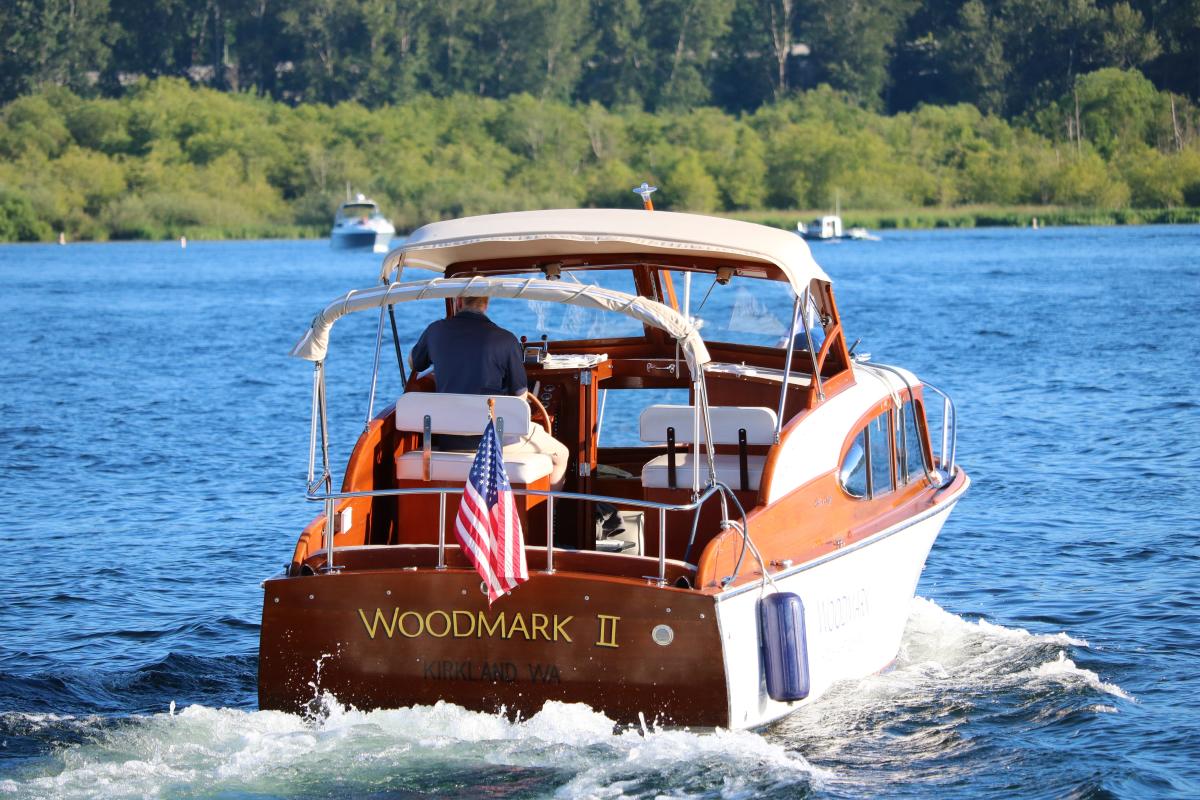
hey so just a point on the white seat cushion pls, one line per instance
(654, 474)
(461, 414)
(523, 468)
(758, 421)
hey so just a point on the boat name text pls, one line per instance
(838, 612)
(479, 624)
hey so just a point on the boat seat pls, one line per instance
(731, 425)
(454, 465)
(464, 415)
(656, 472)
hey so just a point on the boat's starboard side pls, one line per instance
(856, 604)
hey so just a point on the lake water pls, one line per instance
(153, 447)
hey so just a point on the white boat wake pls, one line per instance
(948, 667)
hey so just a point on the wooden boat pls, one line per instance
(753, 573)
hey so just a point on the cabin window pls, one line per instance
(879, 445)
(360, 210)
(812, 318)
(853, 473)
(910, 452)
(866, 470)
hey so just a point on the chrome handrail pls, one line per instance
(949, 431)
(329, 498)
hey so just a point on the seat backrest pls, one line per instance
(461, 414)
(758, 421)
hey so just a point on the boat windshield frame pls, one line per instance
(344, 207)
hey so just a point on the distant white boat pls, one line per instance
(826, 227)
(359, 225)
(829, 228)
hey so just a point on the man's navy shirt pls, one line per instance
(471, 355)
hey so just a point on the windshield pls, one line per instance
(357, 210)
(743, 311)
(565, 322)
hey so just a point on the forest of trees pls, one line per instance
(248, 117)
(1002, 56)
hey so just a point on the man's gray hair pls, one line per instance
(475, 302)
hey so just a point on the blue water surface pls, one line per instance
(153, 450)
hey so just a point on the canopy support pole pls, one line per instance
(816, 368)
(388, 280)
(374, 373)
(787, 368)
(396, 341)
(326, 477)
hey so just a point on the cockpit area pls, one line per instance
(621, 394)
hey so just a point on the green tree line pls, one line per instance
(167, 157)
(1002, 56)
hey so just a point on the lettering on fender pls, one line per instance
(441, 624)
(836, 613)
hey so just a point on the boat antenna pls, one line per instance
(645, 190)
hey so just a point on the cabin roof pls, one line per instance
(581, 231)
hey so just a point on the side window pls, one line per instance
(853, 473)
(880, 447)
(913, 453)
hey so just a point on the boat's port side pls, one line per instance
(371, 520)
(394, 638)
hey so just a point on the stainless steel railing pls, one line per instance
(949, 432)
(329, 499)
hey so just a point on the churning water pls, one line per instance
(153, 440)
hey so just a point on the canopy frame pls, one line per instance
(314, 345)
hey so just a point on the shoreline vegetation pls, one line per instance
(982, 216)
(169, 159)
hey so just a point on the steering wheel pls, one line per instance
(538, 411)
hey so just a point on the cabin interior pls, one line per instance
(743, 385)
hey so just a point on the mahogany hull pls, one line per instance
(395, 638)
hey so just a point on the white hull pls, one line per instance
(376, 241)
(856, 604)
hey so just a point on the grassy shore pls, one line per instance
(894, 219)
(979, 216)
(982, 216)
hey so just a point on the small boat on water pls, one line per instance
(822, 228)
(829, 228)
(770, 531)
(359, 225)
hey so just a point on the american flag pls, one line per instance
(487, 525)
